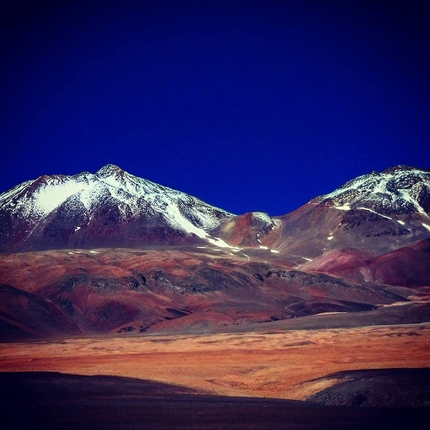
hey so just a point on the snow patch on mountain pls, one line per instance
(49, 198)
(184, 224)
(343, 207)
(374, 212)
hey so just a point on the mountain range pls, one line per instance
(113, 253)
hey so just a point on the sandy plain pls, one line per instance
(290, 364)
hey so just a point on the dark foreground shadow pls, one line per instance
(46, 400)
(378, 387)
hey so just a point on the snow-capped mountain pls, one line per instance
(108, 208)
(377, 211)
(112, 208)
(398, 190)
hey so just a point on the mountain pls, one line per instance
(109, 208)
(113, 253)
(378, 212)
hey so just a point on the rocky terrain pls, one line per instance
(65, 292)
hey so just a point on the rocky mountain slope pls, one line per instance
(378, 212)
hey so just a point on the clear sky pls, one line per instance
(246, 105)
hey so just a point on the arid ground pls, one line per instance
(264, 364)
(294, 365)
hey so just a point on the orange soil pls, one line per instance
(281, 365)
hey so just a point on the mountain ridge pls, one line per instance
(114, 208)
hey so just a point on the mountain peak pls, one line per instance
(110, 170)
(399, 189)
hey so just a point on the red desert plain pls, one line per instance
(293, 364)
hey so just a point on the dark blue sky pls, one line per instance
(246, 105)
